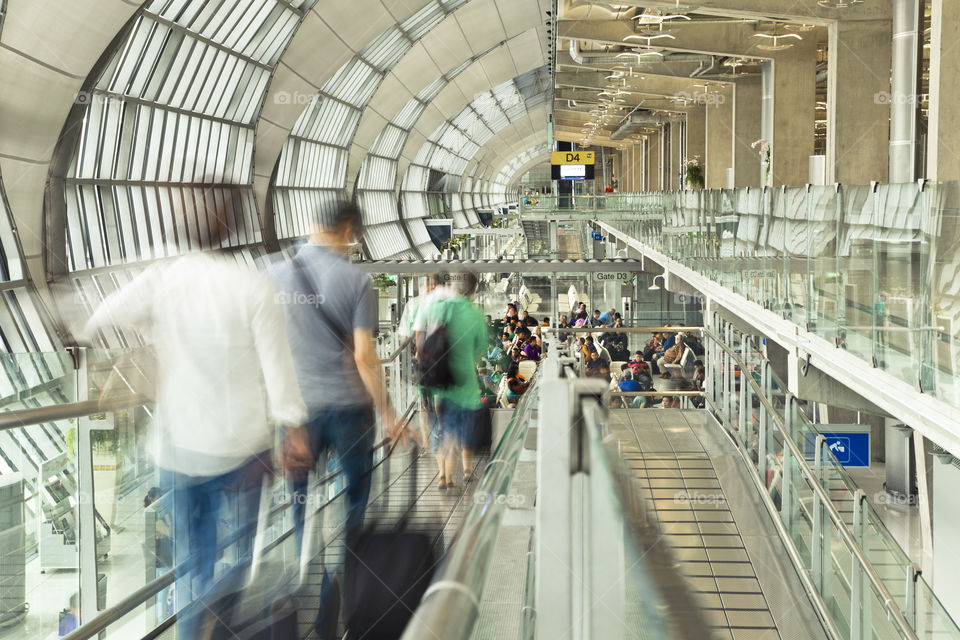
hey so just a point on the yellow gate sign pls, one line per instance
(571, 157)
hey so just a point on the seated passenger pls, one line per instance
(532, 350)
(515, 388)
(627, 383)
(595, 368)
(595, 320)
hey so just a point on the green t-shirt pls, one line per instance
(466, 331)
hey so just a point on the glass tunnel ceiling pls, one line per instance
(171, 120)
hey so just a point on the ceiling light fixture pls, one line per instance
(839, 4)
(777, 41)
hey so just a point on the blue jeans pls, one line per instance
(200, 505)
(349, 433)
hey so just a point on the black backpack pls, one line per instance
(433, 360)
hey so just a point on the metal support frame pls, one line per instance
(856, 573)
(86, 515)
(816, 545)
(910, 608)
(762, 435)
(786, 501)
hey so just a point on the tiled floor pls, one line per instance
(664, 449)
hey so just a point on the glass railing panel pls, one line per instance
(940, 346)
(932, 619)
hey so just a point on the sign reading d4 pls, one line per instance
(572, 157)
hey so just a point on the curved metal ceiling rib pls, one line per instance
(397, 85)
(442, 161)
(481, 26)
(311, 175)
(375, 186)
(166, 131)
(507, 144)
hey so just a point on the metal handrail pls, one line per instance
(889, 603)
(27, 417)
(393, 356)
(458, 583)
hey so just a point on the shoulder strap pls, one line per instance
(306, 284)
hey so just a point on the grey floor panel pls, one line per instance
(676, 472)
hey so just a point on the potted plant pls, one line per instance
(693, 173)
(764, 148)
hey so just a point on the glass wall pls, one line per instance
(869, 268)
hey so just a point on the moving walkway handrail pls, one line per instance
(115, 613)
(27, 417)
(451, 605)
(393, 356)
(800, 457)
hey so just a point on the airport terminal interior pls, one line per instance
(715, 248)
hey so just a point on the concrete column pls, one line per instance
(795, 101)
(858, 96)
(676, 154)
(747, 128)
(943, 134)
(653, 162)
(904, 90)
(719, 135)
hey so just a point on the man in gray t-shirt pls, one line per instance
(331, 313)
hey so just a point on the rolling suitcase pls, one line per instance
(386, 572)
(257, 600)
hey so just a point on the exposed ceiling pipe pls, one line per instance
(606, 58)
(703, 71)
(635, 122)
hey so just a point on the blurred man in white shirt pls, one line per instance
(225, 380)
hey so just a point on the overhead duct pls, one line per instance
(607, 58)
(635, 122)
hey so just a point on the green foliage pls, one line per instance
(694, 176)
(384, 281)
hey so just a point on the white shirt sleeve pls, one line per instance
(284, 401)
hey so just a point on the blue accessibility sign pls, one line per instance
(850, 448)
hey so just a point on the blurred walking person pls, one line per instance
(331, 316)
(458, 400)
(225, 378)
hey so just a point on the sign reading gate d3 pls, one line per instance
(571, 157)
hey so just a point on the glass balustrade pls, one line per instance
(856, 570)
(871, 268)
(76, 473)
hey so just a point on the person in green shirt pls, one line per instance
(458, 404)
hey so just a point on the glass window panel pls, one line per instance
(354, 82)
(386, 50)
